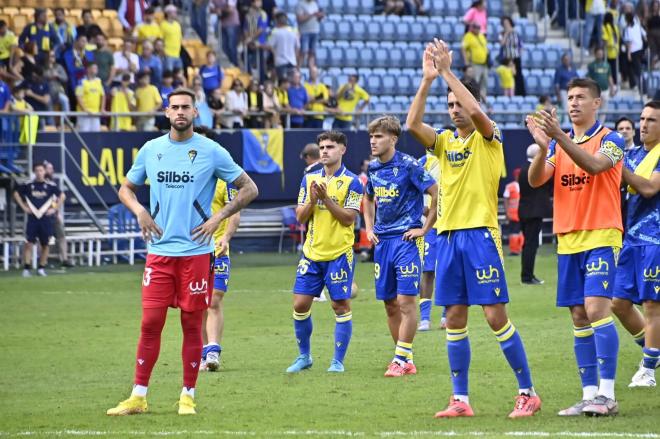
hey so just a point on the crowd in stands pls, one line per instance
(57, 66)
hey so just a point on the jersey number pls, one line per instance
(146, 279)
(377, 271)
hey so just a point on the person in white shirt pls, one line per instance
(595, 13)
(284, 43)
(236, 102)
(126, 61)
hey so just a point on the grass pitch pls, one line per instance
(68, 344)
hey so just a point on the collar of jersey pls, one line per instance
(589, 134)
(339, 172)
(185, 142)
(457, 136)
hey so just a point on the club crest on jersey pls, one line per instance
(340, 183)
(159, 156)
(192, 155)
(395, 171)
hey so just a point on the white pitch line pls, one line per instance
(344, 433)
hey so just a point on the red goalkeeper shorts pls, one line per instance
(184, 282)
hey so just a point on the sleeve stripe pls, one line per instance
(550, 163)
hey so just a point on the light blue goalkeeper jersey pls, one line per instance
(182, 176)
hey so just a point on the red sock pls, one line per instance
(191, 351)
(153, 320)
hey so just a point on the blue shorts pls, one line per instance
(638, 274)
(221, 271)
(308, 42)
(337, 275)
(589, 273)
(39, 229)
(469, 268)
(398, 267)
(430, 250)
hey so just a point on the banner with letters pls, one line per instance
(115, 153)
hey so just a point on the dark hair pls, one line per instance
(588, 83)
(509, 19)
(56, 10)
(149, 11)
(37, 164)
(543, 99)
(142, 74)
(472, 86)
(89, 64)
(3, 23)
(38, 70)
(333, 136)
(205, 131)
(623, 119)
(125, 77)
(85, 11)
(168, 74)
(80, 35)
(388, 124)
(506, 61)
(182, 91)
(608, 19)
(38, 12)
(655, 104)
(281, 16)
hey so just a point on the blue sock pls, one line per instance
(458, 351)
(514, 351)
(302, 325)
(425, 309)
(651, 356)
(607, 347)
(584, 346)
(639, 338)
(343, 332)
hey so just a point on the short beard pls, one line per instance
(181, 130)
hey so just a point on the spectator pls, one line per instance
(105, 60)
(545, 104)
(599, 70)
(387, 7)
(42, 34)
(626, 128)
(511, 204)
(506, 72)
(5, 100)
(255, 36)
(148, 30)
(475, 53)
(217, 106)
(236, 102)
(255, 105)
(284, 43)
(271, 106)
(612, 40)
(318, 97)
(312, 157)
(627, 7)
(613, 8)
(65, 32)
(309, 16)
(349, 96)
(166, 86)
(29, 60)
(298, 100)
(58, 222)
(230, 24)
(179, 78)
(282, 94)
(511, 48)
(126, 61)
(172, 39)
(18, 103)
(204, 113)
(8, 42)
(594, 13)
(88, 27)
(91, 97)
(75, 60)
(211, 73)
(563, 74)
(57, 81)
(633, 36)
(151, 63)
(32, 197)
(159, 51)
(534, 206)
(37, 92)
(477, 14)
(123, 101)
(198, 12)
(148, 101)
(131, 13)
(653, 31)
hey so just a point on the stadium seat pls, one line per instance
(352, 7)
(532, 84)
(395, 57)
(530, 33)
(412, 56)
(546, 85)
(406, 85)
(366, 58)
(431, 30)
(389, 84)
(343, 30)
(536, 59)
(552, 57)
(438, 7)
(328, 30)
(453, 8)
(447, 32)
(381, 57)
(373, 84)
(373, 30)
(359, 31)
(351, 56)
(336, 56)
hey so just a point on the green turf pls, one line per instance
(68, 345)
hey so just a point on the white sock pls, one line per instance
(462, 398)
(530, 391)
(606, 388)
(188, 391)
(139, 390)
(589, 392)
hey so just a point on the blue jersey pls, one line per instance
(39, 196)
(183, 178)
(398, 187)
(643, 215)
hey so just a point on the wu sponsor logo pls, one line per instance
(605, 284)
(192, 155)
(340, 276)
(303, 266)
(409, 270)
(602, 267)
(487, 275)
(198, 287)
(222, 268)
(650, 273)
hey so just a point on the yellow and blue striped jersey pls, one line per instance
(471, 168)
(327, 238)
(224, 193)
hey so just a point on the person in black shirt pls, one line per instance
(534, 206)
(38, 199)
